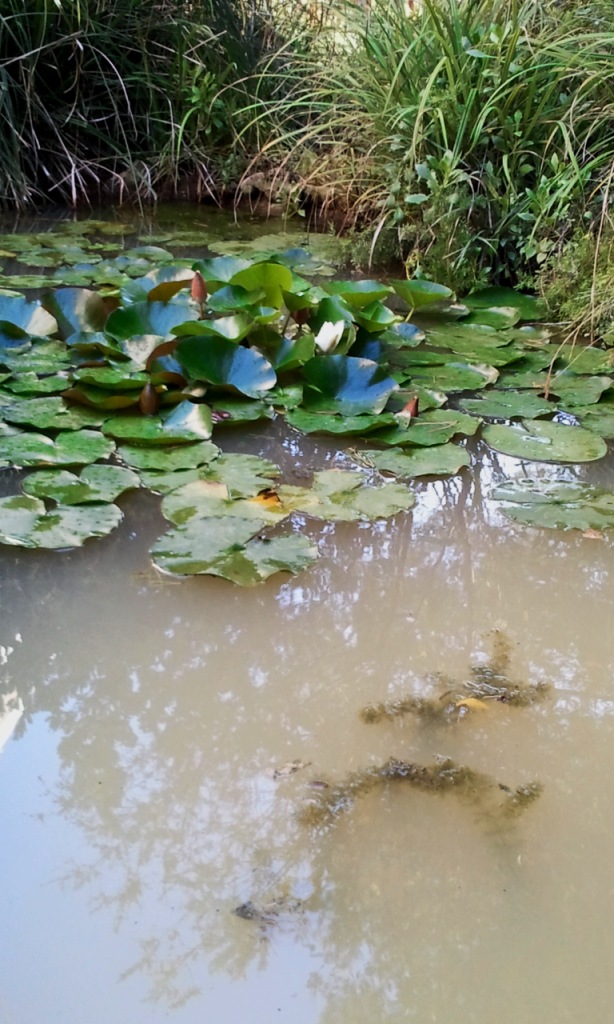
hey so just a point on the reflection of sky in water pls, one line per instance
(139, 796)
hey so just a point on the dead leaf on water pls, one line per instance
(591, 534)
(289, 768)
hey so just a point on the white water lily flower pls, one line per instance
(329, 335)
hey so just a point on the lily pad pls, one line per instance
(564, 506)
(499, 317)
(440, 460)
(32, 384)
(420, 294)
(221, 362)
(346, 385)
(330, 423)
(202, 545)
(95, 484)
(344, 496)
(29, 316)
(359, 294)
(77, 309)
(70, 448)
(25, 522)
(150, 430)
(51, 413)
(210, 499)
(262, 557)
(160, 318)
(186, 456)
(545, 441)
(529, 307)
(430, 428)
(505, 405)
(454, 376)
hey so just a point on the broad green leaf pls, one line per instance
(345, 496)
(186, 456)
(202, 544)
(271, 278)
(454, 376)
(29, 316)
(111, 378)
(221, 269)
(190, 417)
(564, 506)
(420, 294)
(231, 411)
(262, 557)
(150, 430)
(94, 484)
(51, 413)
(597, 418)
(545, 441)
(359, 294)
(43, 357)
(584, 359)
(159, 285)
(77, 309)
(528, 306)
(375, 318)
(208, 499)
(440, 460)
(24, 522)
(499, 317)
(228, 328)
(99, 398)
(323, 423)
(160, 318)
(573, 390)
(232, 298)
(286, 354)
(505, 405)
(227, 365)
(31, 384)
(288, 397)
(429, 428)
(69, 448)
(346, 385)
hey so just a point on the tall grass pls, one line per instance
(480, 130)
(123, 93)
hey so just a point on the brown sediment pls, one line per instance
(444, 776)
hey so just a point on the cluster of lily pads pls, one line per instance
(106, 390)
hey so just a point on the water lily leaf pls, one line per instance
(241, 476)
(484, 351)
(207, 499)
(24, 522)
(233, 411)
(95, 484)
(545, 441)
(221, 269)
(454, 376)
(76, 310)
(29, 316)
(190, 417)
(419, 294)
(159, 318)
(564, 506)
(68, 448)
(597, 418)
(111, 378)
(328, 423)
(505, 405)
(50, 414)
(430, 428)
(231, 298)
(427, 398)
(375, 317)
(572, 390)
(528, 306)
(439, 460)
(150, 430)
(32, 384)
(344, 496)
(359, 294)
(159, 285)
(43, 357)
(225, 364)
(186, 456)
(331, 310)
(584, 359)
(230, 328)
(202, 544)
(100, 398)
(499, 317)
(287, 353)
(270, 278)
(346, 385)
(288, 397)
(262, 557)
(402, 335)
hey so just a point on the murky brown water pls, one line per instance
(138, 807)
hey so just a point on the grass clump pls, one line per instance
(478, 132)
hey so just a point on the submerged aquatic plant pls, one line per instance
(444, 776)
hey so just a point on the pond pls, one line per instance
(189, 832)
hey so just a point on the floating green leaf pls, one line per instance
(440, 460)
(343, 495)
(346, 385)
(186, 456)
(29, 316)
(564, 506)
(77, 309)
(262, 557)
(430, 428)
(207, 499)
(160, 318)
(499, 317)
(225, 364)
(420, 294)
(545, 441)
(94, 484)
(454, 376)
(329, 423)
(359, 294)
(70, 448)
(202, 545)
(528, 306)
(271, 278)
(505, 405)
(24, 522)
(51, 413)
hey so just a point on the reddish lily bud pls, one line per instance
(149, 401)
(301, 316)
(199, 288)
(411, 409)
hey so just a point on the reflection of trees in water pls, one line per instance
(169, 784)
